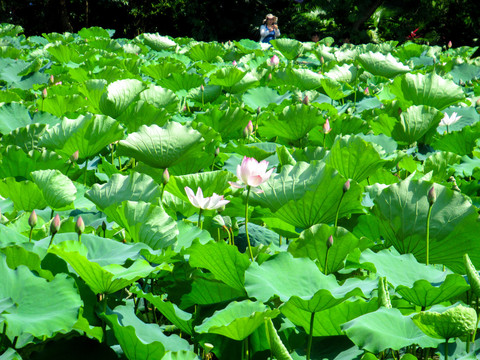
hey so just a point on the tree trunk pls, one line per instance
(64, 18)
(366, 15)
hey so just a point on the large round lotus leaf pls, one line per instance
(384, 329)
(289, 48)
(425, 294)
(37, 306)
(402, 210)
(209, 94)
(312, 243)
(160, 97)
(64, 53)
(101, 279)
(382, 65)
(25, 194)
(57, 189)
(26, 138)
(334, 89)
(162, 147)
(465, 72)
(17, 255)
(16, 163)
(307, 194)
(439, 164)
(459, 142)
(157, 42)
(87, 134)
(303, 79)
(224, 261)
(227, 76)
(261, 97)
(9, 72)
(13, 116)
(138, 340)
(182, 81)
(472, 274)
(285, 276)
(247, 46)
(119, 95)
(144, 222)
(293, 123)
(354, 158)
(346, 73)
(162, 69)
(205, 51)
(447, 322)
(119, 188)
(228, 123)
(415, 123)
(59, 105)
(94, 32)
(430, 90)
(237, 320)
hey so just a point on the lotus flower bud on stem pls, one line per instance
(259, 109)
(74, 157)
(165, 177)
(44, 93)
(32, 219)
(478, 102)
(330, 242)
(269, 77)
(79, 226)
(305, 100)
(217, 151)
(326, 127)
(52, 79)
(234, 63)
(250, 127)
(246, 133)
(431, 196)
(54, 228)
(367, 92)
(274, 60)
(202, 88)
(449, 44)
(346, 186)
(322, 60)
(104, 227)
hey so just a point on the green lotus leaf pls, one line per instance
(13, 116)
(144, 222)
(182, 81)
(11, 354)
(354, 158)
(472, 274)
(94, 32)
(9, 72)
(16, 163)
(100, 279)
(41, 308)
(293, 123)
(143, 113)
(430, 90)
(425, 294)
(64, 53)
(328, 322)
(119, 95)
(261, 97)
(459, 142)
(379, 64)
(57, 189)
(308, 194)
(162, 69)
(402, 210)
(415, 123)
(289, 48)
(224, 261)
(17, 255)
(467, 167)
(447, 322)
(206, 290)
(160, 98)
(180, 355)
(210, 182)
(93, 90)
(259, 151)
(25, 194)
(229, 124)
(62, 105)
(386, 328)
(304, 79)
(312, 243)
(227, 76)
(334, 89)
(162, 147)
(205, 51)
(138, 340)
(209, 94)
(439, 164)
(32, 67)
(119, 188)
(465, 72)
(157, 42)
(88, 134)
(238, 320)
(346, 73)
(181, 319)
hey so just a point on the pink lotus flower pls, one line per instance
(234, 63)
(274, 60)
(449, 120)
(209, 203)
(252, 173)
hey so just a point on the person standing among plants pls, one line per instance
(269, 29)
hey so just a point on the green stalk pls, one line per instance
(310, 336)
(338, 209)
(326, 262)
(51, 240)
(428, 232)
(30, 236)
(246, 224)
(85, 173)
(199, 222)
(446, 349)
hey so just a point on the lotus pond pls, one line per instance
(172, 199)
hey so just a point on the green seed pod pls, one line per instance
(383, 294)
(277, 348)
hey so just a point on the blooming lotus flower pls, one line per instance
(252, 173)
(209, 203)
(274, 60)
(449, 120)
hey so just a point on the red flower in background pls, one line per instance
(413, 34)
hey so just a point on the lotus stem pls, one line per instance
(199, 222)
(326, 262)
(338, 209)
(246, 223)
(310, 335)
(85, 173)
(428, 233)
(446, 349)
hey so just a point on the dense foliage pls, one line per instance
(164, 198)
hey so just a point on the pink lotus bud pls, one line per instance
(165, 177)
(269, 77)
(431, 196)
(44, 93)
(346, 186)
(326, 127)
(330, 242)
(32, 220)
(202, 88)
(79, 226)
(217, 151)
(449, 44)
(305, 100)
(58, 83)
(55, 225)
(478, 102)
(274, 60)
(366, 92)
(52, 79)
(234, 63)
(246, 133)
(250, 126)
(74, 157)
(322, 60)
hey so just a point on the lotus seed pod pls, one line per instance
(165, 177)
(55, 225)
(346, 186)
(431, 196)
(330, 242)
(74, 157)
(79, 226)
(32, 219)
